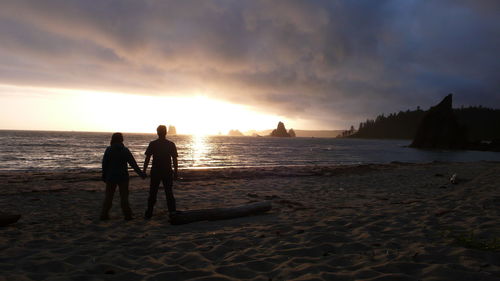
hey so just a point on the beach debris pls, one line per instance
(454, 179)
(441, 212)
(294, 205)
(220, 213)
(252, 195)
(6, 219)
(410, 201)
(345, 207)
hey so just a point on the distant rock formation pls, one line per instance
(171, 130)
(235, 133)
(439, 128)
(291, 133)
(301, 133)
(280, 131)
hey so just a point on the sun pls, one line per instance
(200, 115)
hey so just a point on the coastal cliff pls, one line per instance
(439, 128)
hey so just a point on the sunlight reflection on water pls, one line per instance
(199, 150)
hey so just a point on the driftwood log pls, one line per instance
(219, 213)
(6, 219)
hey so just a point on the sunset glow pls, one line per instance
(128, 65)
(67, 109)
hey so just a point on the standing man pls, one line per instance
(164, 153)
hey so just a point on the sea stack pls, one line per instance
(235, 133)
(171, 130)
(280, 131)
(439, 128)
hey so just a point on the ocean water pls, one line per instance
(58, 151)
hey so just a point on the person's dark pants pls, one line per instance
(167, 180)
(108, 199)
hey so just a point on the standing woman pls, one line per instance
(115, 173)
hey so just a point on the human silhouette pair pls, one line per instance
(115, 163)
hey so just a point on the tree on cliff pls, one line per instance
(482, 124)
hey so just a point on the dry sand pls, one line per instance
(372, 222)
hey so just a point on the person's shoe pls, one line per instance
(148, 214)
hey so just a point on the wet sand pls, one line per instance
(397, 221)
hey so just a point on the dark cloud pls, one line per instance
(337, 62)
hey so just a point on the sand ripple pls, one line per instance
(375, 222)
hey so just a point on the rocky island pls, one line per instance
(235, 133)
(171, 130)
(281, 132)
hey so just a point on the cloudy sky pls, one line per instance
(327, 63)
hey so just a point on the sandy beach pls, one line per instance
(396, 221)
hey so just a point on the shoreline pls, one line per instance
(60, 180)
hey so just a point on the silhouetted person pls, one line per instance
(164, 153)
(115, 173)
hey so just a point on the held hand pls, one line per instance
(176, 176)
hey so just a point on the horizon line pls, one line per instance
(153, 133)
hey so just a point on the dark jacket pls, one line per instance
(114, 163)
(162, 151)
